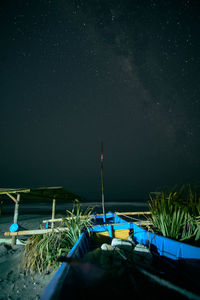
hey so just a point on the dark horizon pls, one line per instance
(75, 73)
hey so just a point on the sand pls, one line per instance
(14, 283)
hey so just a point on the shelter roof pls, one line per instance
(11, 191)
(25, 190)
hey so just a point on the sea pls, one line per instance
(61, 207)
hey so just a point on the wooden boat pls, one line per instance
(169, 268)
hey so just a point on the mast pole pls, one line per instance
(102, 186)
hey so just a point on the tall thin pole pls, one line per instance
(15, 220)
(102, 187)
(53, 212)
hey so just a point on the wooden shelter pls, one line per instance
(14, 195)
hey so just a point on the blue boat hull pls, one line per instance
(161, 245)
(107, 226)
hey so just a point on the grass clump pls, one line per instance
(177, 214)
(42, 251)
(77, 221)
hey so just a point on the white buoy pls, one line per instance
(120, 242)
(106, 247)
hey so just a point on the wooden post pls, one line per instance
(102, 187)
(35, 231)
(15, 220)
(1, 207)
(53, 212)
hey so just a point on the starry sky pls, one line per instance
(75, 73)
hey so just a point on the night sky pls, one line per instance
(75, 73)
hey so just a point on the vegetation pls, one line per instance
(77, 221)
(42, 251)
(177, 214)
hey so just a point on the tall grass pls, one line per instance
(77, 221)
(42, 251)
(177, 214)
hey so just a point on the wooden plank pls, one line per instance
(48, 188)
(36, 231)
(42, 231)
(142, 223)
(11, 191)
(54, 220)
(12, 197)
(60, 219)
(69, 218)
(118, 213)
(134, 213)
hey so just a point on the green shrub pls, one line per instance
(42, 251)
(176, 215)
(77, 221)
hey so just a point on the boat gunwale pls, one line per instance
(53, 288)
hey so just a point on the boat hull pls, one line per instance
(113, 226)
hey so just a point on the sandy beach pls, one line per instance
(14, 283)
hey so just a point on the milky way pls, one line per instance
(74, 73)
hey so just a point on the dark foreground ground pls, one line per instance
(14, 283)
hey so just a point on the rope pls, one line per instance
(132, 218)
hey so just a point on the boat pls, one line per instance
(163, 268)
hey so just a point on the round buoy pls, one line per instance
(14, 227)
